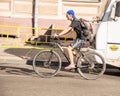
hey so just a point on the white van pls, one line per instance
(108, 36)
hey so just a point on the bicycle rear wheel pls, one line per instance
(91, 66)
(47, 63)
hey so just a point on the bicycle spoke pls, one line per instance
(47, 63)
(92, 67)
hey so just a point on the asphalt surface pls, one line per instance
(17, 78)
(21, 80)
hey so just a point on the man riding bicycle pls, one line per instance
(76, 26)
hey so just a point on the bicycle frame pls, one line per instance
(67, 58)
(63, 52)
(83, 64)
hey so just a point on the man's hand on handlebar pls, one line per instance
(55, 35)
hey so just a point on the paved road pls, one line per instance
(20, 80)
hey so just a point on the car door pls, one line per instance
(113, 40)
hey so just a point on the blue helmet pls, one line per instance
(71, 12)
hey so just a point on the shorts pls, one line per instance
(77, 43)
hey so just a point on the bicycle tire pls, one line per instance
(91, 66)
(47, 63)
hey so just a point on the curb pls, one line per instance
(9, 59)
(6, 58)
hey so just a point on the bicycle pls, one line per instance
(89, 64)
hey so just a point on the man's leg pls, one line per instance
(73, 52)
(70, 54)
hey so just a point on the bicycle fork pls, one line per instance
(49, 60)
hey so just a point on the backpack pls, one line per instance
(87, 28)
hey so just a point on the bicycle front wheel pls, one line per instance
(91, 65)
(47, 63)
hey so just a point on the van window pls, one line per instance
(117, 11)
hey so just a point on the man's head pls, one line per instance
(70, 15)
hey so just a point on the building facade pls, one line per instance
(52, 9)
(48, 9)
(20, 12)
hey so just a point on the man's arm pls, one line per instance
(65, 31)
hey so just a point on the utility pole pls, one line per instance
(35, 16)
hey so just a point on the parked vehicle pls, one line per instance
(108, 36)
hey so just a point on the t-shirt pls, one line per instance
(75, 24)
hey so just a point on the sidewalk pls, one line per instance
(9, 58)
(14, 55)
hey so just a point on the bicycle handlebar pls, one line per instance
(52, 37)
(58, 41)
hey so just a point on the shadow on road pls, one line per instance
(17, 70)
(113, 71)
(19, 52)
(21, 71)
(24, 52)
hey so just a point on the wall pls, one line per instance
(19, 12)
(57, 9)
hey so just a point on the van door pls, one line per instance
(113, 40)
